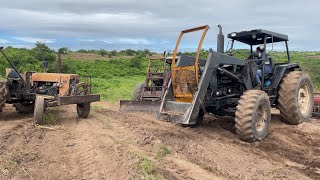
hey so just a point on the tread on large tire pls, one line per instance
(138, 91)
(253, 115)
(39, 110)
(295, 98)
(24, 108)
(3, 94)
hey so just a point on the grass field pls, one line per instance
(89, 56)
(114, 77)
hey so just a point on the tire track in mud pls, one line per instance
(215, 147)
(172, 168)
(19, 133)
(285, 144)
(98, 152)
(87, 163)
(68, 149)
(96, 148)
(294, 148)
(19, 146)
(84, 153)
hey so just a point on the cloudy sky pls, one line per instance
(152, 24)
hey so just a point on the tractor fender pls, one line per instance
(282, 70)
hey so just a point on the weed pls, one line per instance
(49, 117)
(97, 108)
(163, 151)
(152, 177)
(146, 166)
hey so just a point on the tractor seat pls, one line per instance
(271, 64)
(11, 74)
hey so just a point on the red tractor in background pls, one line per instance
(316, 107)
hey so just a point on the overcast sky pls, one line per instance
(153, 24)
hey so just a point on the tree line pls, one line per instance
(41, 57)
(111, 53)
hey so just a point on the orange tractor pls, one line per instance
(34, 92)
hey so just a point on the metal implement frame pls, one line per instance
(151, 96)
(152, 92)
(194, 67)
(66, 100)
(143, 106)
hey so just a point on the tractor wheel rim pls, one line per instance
(304, 99)
(261, 118)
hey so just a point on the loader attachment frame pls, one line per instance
(153, 89)
(143, 106)
(186, 77)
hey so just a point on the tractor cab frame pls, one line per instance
(265, 38)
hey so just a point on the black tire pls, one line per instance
(24, 108)
(39, 110)
(253, 115)
(295, 100)
(3, 94)
(137, 93)
(83, 110)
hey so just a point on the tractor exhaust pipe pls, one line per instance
(220, 40)
(59, 62)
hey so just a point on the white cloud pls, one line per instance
(87, 40)
(164, 41)
(27, 46)
(4, 41)
(145, 22)
(134, 41)
(34, 40)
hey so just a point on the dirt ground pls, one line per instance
(116, 145)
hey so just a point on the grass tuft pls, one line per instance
(146, 166)
(49, 117)
(163, 151)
